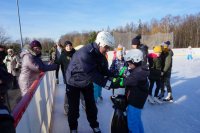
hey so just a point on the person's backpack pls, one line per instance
(6, 120)
(119, 120)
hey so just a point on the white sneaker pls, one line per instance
(150, 99)
(157, 100)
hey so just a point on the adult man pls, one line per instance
(88, 66)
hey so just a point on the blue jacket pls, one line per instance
(86, 66)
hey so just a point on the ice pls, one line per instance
(181, 116)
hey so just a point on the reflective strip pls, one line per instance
(4, 112)
(108, 83)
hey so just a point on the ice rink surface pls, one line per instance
(182, 116)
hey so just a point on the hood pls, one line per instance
(152, 55)
(69, 53)
(145, 72)
(26, 50)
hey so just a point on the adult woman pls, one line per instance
(32, 65)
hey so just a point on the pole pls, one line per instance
(19, 24)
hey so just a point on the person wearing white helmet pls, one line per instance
(87, 66)
(136, 89)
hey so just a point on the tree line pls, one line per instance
(185, 29)
(186, 32)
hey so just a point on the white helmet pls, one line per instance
(134, 55)
(105, 39)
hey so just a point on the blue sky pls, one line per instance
(53, 18)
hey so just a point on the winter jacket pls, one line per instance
(144, 50)
(6, 79)
(117, 65)
(65, 58)
(155, 66)
(86, 66)
(167, 63)
(136, 85)
(32, 65)
(13, 64)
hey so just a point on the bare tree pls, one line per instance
(3, 37)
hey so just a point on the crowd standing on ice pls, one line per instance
(86, 71)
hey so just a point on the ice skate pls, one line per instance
(96, 130)
(156, 99)
(169, 98)
(150, 99)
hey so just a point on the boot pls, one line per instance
(169, 97)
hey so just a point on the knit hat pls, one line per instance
(68, 43)
(167, 42)
(157, 49)
(120, 47)
(136, 40)
(35, 43)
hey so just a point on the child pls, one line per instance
(118, 63)
(136, 85)
(155, 66)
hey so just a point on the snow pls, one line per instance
(181, 116)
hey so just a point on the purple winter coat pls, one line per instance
(31, 68)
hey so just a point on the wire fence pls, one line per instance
(149, 40)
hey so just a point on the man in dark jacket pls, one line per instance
(88, 66)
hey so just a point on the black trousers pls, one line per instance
(165, 81)
(63, 72)
(158, 85)
(73, 94)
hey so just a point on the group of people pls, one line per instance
(89, 65)
(87, 68)
(160, 66)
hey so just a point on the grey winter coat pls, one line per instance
(32, 65)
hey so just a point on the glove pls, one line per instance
(122, 71)
(117, 83)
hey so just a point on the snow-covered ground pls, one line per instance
(182, 116)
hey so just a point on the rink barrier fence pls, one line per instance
(33, 113)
